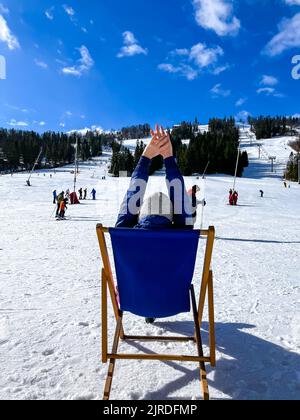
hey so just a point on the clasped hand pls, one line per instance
(160, 144)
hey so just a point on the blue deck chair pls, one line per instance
(154, 272)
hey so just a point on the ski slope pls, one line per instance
(259, 151)
(50, 291)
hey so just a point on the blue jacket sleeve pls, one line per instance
(178, 195)
(130, 208)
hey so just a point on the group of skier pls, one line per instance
(83, 194)
(62, 199)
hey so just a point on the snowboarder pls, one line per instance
(80, 194)
(235, 198)
(59, 199)
(54, 196)
(85, 194)
(94, 192)
(261, 193)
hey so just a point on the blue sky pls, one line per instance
(76, 64)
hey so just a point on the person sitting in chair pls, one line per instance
(158, 211)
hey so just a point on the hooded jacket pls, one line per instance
(128, 219)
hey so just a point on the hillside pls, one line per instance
(50, 290)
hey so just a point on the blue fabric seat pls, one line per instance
(154, 270)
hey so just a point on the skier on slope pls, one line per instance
(80, 194)
(94, 192)
(195, 202)
(54, 196)
(231, 197)
(59, 199)
(62, 209)
(261, 193)
(235, 198)
(85, 194)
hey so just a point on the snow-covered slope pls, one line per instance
(260, 151)
(50, 293)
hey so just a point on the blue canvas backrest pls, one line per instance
(154, 270)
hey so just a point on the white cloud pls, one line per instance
(129, 38)
(221, 69)
(287, 38)
(17, 108)
(181, 51)
(241, 102)
(268, 91)
(4, 9)
(187, 71)
(69, 10)
(84, 64)
(242, 116)
(293, 2)
(40, 123)
(217, 15)
(194, 60)
(41, 64)
(49, 13)
(217, 91)
(203, 56)
(15, 123)
(6, 36)
(268, 80)
(131, 46)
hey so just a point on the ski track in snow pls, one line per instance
(50, 292)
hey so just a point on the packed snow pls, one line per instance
(50, 328)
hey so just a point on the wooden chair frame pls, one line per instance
(206, 290)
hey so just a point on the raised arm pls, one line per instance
(128, 216)
(176, 186)
(133, 200)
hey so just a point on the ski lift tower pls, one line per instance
(272, 159)
(237, 165)
(34, 166)
(76, 166)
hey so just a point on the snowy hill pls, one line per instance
(50, 290)
(259, 152)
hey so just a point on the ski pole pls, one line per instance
(53, 212)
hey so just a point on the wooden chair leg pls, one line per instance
(203, 375)
(211, 311)
(206, 270)
(104, 317)
(112, 363)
